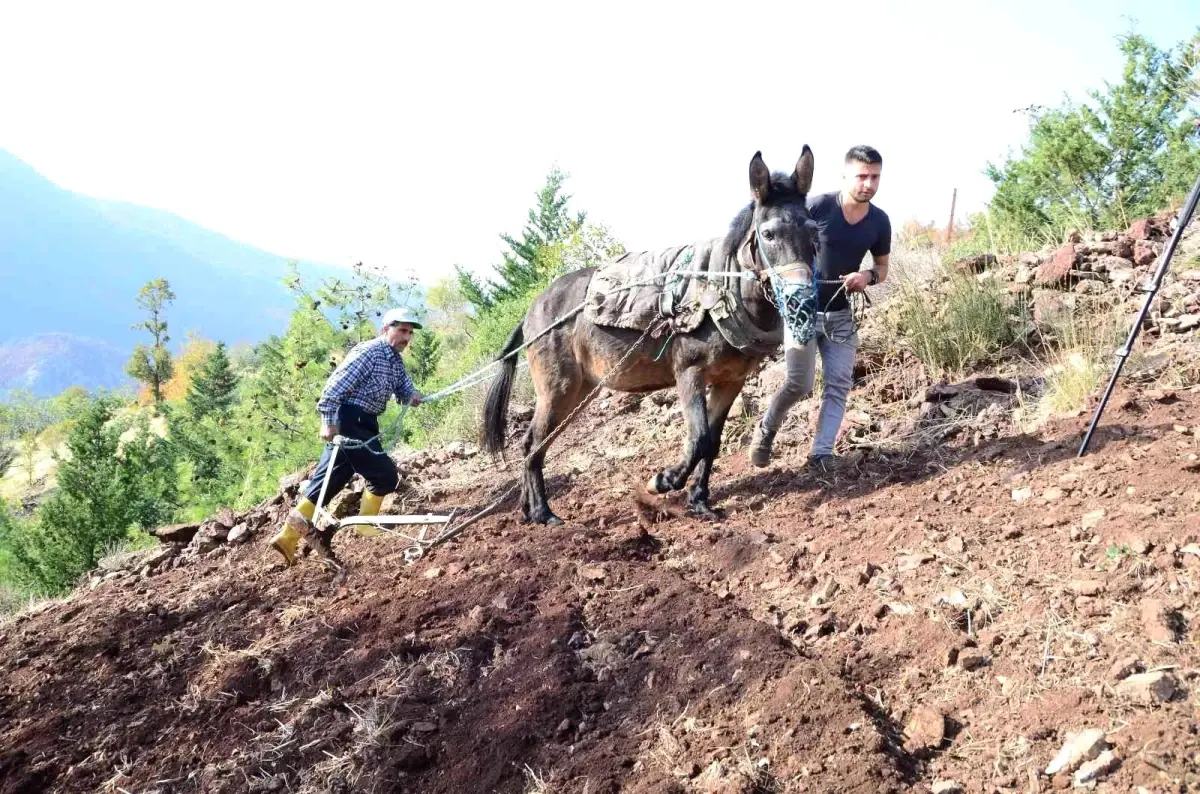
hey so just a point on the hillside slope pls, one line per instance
(992, 591)
(954, 606)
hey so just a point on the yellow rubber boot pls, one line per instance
(307, 509)
(295, 528)
(370, 504)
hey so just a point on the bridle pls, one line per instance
(771, 272)
(795, 301)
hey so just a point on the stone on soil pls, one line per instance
(925, 730)
(1087, 587)
(1078, 748)
(1123, 668)
(1157, 621)
(1096, 768)
(972, 659)
(1148, 688)
(592, 573)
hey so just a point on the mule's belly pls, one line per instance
(639, 383)
(606, 354)
(606, 357)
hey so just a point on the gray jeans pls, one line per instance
(837, 341)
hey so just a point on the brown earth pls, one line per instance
(947, 609)
(784, 648)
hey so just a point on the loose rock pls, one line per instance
(1123, 668)
(1079, 747)
(972, 659)
(177, 533)
(1096, 768)
(1148, 688)
(592, 573)
(824, 594)
(1157, 621)
(925, 729)
(1087, 587)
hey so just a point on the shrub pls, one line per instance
(972, 320)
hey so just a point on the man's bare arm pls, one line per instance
(881, 267)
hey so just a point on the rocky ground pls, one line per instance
(962, 604)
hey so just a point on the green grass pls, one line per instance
(1070, 382)
(1080, 347)
(966, 322)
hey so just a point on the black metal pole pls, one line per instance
(1151, 289)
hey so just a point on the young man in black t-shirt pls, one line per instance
(849, 226)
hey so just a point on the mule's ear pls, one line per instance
(804, 171)
(760, 178)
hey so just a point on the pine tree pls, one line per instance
(106, 487)
(213, 387)
(524, 265)
(151, 364)
(423, 355)
(1131, 153)
(202, 433)
(549, 223)
(474, 290)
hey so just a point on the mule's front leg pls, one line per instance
(695, 414)
(719, 403)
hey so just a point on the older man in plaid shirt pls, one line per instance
(353, 398)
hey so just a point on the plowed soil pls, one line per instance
(946, 614)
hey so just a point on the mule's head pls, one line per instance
(775, 230)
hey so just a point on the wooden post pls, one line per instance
(950, 226)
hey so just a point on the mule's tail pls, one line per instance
(495, 406)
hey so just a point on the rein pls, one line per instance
(797, 301)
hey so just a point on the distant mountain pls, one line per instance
(47, 364)
(72, 265)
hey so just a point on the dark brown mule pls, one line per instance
(568, 362)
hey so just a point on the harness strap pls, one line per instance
(796, 301)
(795, 267)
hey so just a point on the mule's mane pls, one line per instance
(783, 191)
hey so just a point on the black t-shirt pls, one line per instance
(842, 246)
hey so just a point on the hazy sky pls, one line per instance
(411, 134)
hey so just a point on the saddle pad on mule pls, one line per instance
(632, 290)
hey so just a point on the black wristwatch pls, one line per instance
(874, 276)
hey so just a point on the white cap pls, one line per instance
(403, 314)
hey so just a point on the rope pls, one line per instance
(421, 546)
(797, 301)
(803, 315)
(796, 309)
(800, 313)
(483, 374)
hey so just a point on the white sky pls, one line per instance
(411, 135)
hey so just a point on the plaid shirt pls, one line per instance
(370, 373)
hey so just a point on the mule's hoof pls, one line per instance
(553, 521)
(658, 485)
(702, 510)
